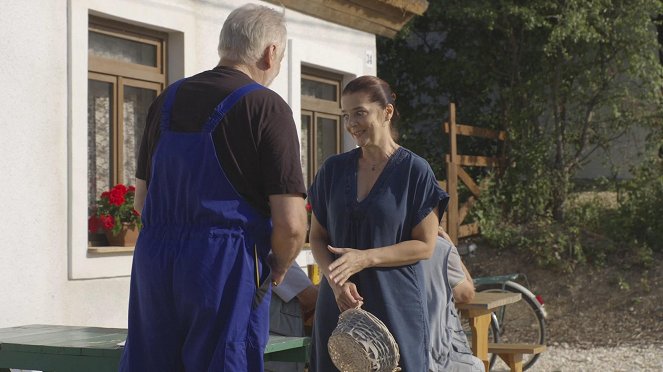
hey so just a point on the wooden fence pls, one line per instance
(457, 211)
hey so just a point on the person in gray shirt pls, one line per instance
(447, 279)
(293, 302)
(460, 279)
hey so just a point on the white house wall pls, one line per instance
(46, 272)
(625, 152)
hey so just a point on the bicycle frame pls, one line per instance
(512, 279)
(501, 279)
(508, 283)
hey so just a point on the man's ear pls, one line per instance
(269, 56)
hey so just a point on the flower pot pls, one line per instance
(125, 238)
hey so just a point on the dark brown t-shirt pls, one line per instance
(256, 142)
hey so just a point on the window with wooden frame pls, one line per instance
(126, 72)
(321, 119)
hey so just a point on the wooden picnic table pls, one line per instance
(478, 312)
(67, 348)
(287, 349)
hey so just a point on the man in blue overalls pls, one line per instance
(218, 158)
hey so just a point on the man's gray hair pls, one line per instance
(250, 29)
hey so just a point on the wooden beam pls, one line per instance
(396, 12)
(452, 179)
(516, 348)
(452, 220)
(468, 130)
(380, 17)
(468, 230)
(453, 147)
(417, 7)
(371, 11)
(465, 209)
(469, 182)
(475, 161)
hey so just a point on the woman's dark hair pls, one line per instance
(378, 91)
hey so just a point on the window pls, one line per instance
(126, 73)
(321, 120)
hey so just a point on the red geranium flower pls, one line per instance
(107, 220)
(93, 224)
(114, 209)
(120, 188)
(117, 196)
(309, 208)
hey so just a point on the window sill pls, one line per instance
(305, 255)
(115, 261)
(109, 250)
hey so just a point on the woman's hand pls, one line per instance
(351, 262)
(347, 296)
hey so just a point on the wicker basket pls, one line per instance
(362, 343)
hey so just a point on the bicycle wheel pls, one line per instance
(520, 322)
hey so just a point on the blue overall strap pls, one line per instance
(222, 109)
(168, 104)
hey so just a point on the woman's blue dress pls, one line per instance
(405, 192)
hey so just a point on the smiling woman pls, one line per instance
(379, 205)
(369, 95)
(368, 107)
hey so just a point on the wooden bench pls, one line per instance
(83, 349)
(512, 354)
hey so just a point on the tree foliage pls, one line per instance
(563, 78)
(640, 210)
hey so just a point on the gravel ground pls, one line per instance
(566, 358)
(583, 307)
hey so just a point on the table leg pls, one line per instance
(479, 326)
(514, 361)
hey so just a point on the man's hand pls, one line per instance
(288, 232)
(278, 269)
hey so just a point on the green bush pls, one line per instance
(598, 227)
(623, 221)
(548, 242)
(641, 206)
